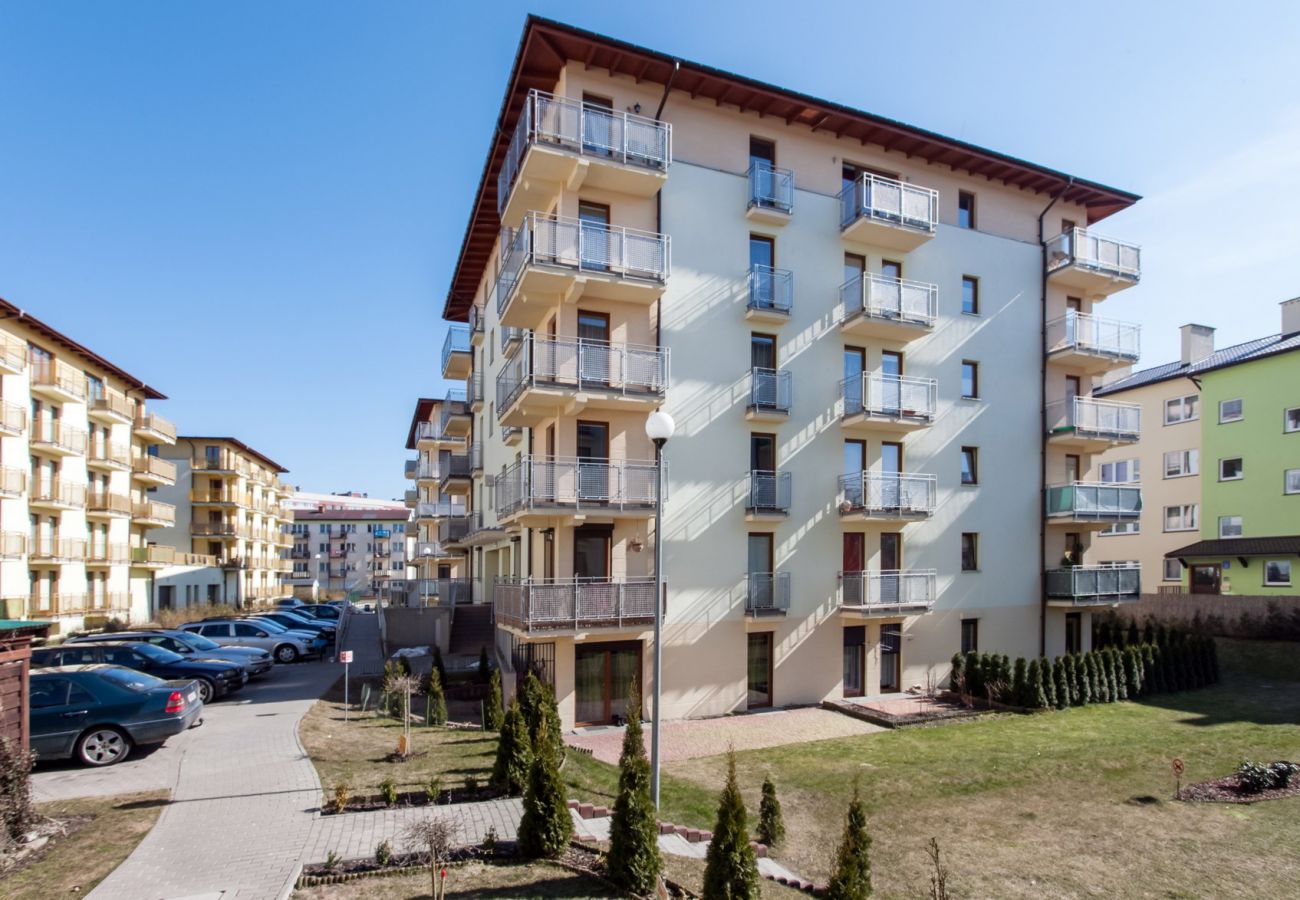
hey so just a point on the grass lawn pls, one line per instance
(74, 864)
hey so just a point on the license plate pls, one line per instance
(190, 696)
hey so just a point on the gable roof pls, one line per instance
(1257, 546)
(424, 407)
(264, 460)
(1219, 359)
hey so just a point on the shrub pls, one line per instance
(546, 827)
(437, 664)
(1155, 673)
(1074, 688)
(1049, 682)
(435, 702)
(514, 753)
(1283, 772)
(17, 813)
(852, 877)
(1253, 777)
(1133, 637)
(1133, 670)
(433, 789)
(388, 790)
(771, 827)
(974, 682)
(730, 868)
(1020, 684)
(1107, 660)
(1095, 684)
(538, 704)
(341, 796)
(1037, 695)
(493, 713)
(484, 669)
(958, 673)
(384, 853)
(435, 839)
(633, 859)
(1083, 678)
(471, 784)
(332, 860)
(1121, 673)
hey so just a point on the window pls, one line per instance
(1229, 526)
(970, 465)
(1291, 419)
(1182, 409)
(1122, 528)
(1179, 463)
(1073, 632)
(1277, 573)
(1291, 482)
(1181, 518)
(1122, 471)
(1173, 570)
(969, 551)
(1230, 411)
(970, 635)
(970, 295)
(1230, 469)
(970, 380)
(965, 209)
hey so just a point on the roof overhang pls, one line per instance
(262, 458)
(423, 407)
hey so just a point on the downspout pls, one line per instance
(1042, 427)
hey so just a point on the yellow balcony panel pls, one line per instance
(209, 497)
(154, 556)
(101, 555)
(13, 418)
(153, 470)
(153, 514)
(56, 380)
(47, 550)
(153, 427)
(105, 505)
(13, 545)
(104, 456)
(111, 408)
(13, 354)
(57, 439)
(51, 494)
(13, 481)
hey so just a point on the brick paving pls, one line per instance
(355, 835)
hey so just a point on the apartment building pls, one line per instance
(845, 316)
(349, 549)
(1221, 509)
(79, 466)
(443, 471)
(229, 500)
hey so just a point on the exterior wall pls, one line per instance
(193, 585)
(369, 562)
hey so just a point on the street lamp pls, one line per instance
(426, 552)
(659, 427)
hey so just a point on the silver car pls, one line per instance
(284, 646)
(254, 660)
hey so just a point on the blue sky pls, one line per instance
(256, 206)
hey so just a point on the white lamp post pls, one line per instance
(659, 427)
(424, 576)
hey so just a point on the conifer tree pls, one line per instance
(1072, 678)
(1020, 684)
(545, 828)
(1062, 679)
(1089, 665)
(852, 877)
(1121, 673)
(1133, 637)
(1049, 682)
(633, 860)
(492, 710)
(771, 827)
(730, 868)
(514, 753)
(435, 702)
(974, 675)
(1037, 695)
(1108, 674)
(1133, 670)
(958, 673)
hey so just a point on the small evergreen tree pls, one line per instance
(633, 858)
(435, 702)
(437, 664)
(1005, 675)
(514, 753)
(1133, 637)
(1062, 679)
(1037, 696)
(771, 827)
(1133, 670)
(852, 877)
(1155, 665)
(1102, 635)
(974, 675)
(958, 673)
(545, 828)
(1020, 684)
(492, 711)
(730, 868)
(530, 703)
(484, 669)
(1049, 682)
(1087, 682)
(1149, 631)
(1072, 680)
(537, 705)
(1107, 674)
(1121, 673)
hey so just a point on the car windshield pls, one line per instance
(157, 654)
(271, 625)
(197, 641)
(130, 679)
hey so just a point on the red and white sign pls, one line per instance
(345, 656)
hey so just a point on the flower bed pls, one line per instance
(372, 802)
(1251, 783)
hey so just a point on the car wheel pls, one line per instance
(206, 691)
(286, 653)
(103, 746)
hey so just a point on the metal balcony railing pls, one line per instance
(474, 387)
(427, 548)
(112, 402)
(217, 529)
(889, 493)
(771, 187)
(56, 374)
(431, 509)
(59, 435)
(534, 604)
(582, 128)
(13, 545)
(889, 590)
(893, 299)
(1092, 334)
(891, 202)
(892, 396)
(13, 418)
(55, 604)
(581, 364)
(452, 529)
(64, 493)
(770, 390)
(1076, 247)
(457, 465)
(429, 431)
(767, 592)
(1101, 419)
(222, 461)
(13, 481)
(453, 405)
(771, 290)
(54, 549)
(154, 424)
(555, 482)
(770, 491)
(154, 510)
(456, 341)
(209, 495)
(510, 336)
(1095, 584)
(154, 466)
(102, 451)
(106, 502)
(13, 352)
(477, 319)
(1096, 501)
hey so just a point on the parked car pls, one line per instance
(214, 677)
(282, 644)
(255, 661)
(341, 604)
(323, 611)
(300, 622)
(96, 714)
(289, 602)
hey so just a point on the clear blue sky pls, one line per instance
(256, 206)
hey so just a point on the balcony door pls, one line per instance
(762, 590)
(891, 390)
(891, 485)
(855, 363)
(762, 159)
(603, 676)
(891, 561)
(592, 546)
(762, 259)
(762, 466)
(596, 254)
(853, 563)
(593, 462)
(758, 669)
(599, 131)
(1072, 390)
(855, 660)
(855, 463)
(595, 360)
(891, 649)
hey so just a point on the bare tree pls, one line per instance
(435, 839)
(939, 880)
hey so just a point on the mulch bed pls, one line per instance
(372, 802)
(1227, 790)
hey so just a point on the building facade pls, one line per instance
(442, 469)
(339, 550)
(846, 318)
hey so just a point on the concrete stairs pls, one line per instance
(472, 630)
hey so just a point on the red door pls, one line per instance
(855, 560)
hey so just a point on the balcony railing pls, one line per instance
(154, 511)
(63, 493)
(13, 481)
(434, 591)
(553, 482)
(457, 465)
(1076, 247)
(771, 187)
(1095, 501)
(767, 593)
(113, 403)
(892, 396)
(1090, 334)
(106, 502)
(13, 545)
(218, 529)
(108, 553)
(60, 376)
(209, 495)
(584, 129)
(474, 388)
(770, 290)
(223, 461)
(770, 491)
(889, 591)
(770, 390)
(629, 369)
(59, 435)
(577, 603)
(155, 425)
(477, 318)
(453, 405)
(54, 549)
(437, 509)
(13, 352)
(888, 494)
(1095, 584)
(56, 604)
(102, 451)
(892, 299)
(452, 529)
(423, 469)
(1100, 419)
(889, 201)
(456, 341)
(13, 418)
(430, 431)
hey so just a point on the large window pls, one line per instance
(1230, 469)
(1181, 518)
(758, 667)
(969, 551)
(1173, 570)
(1277, 573)
(970, 295)
(1121, 471)
(1229, 526)
(1291, 481)
(1121, 528)
(1230, 410)
(970, 380)
(1073, 632)
(1291, 419)
(965, 209)
(970, 635)
(970, 465)
(1179, 463)
(1182, 409)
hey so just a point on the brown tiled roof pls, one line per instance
(264, 460)
(423, 412)
(1256, 546)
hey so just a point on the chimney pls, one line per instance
(1290, 315)
(1198, 343)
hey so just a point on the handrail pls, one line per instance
(535, 603)
(51, 490)
(890, 588)
(13, 417)
(1100, 583)
(770, 289)
(456, 341)
(770, 187)
(58, 374)
(156, 424)
(1101, 418)
(770, 389)
(1079, 247)
(59, 434)
(902, 493)
(882, 297)
(767, 592)
(770, 491)
(890, 201)
(1093, 334)
(1094, 500)
(895, 396)
(577, 483)
(581, 364)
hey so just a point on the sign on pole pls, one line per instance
(345, 657)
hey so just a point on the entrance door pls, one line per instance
(1206, 579)
(891, 389)
(593, 462)
(891, 646)
(758, 667)
(855, 363)
(855, 660)
(595, 360)
(603, 675)
(595, 250)
(853, 564)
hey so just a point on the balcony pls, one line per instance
(61, 603)
(896, 403)
(511, 435)
(474, 390)
(770, 493)
(455, 420)
(13, 354)
(48, 550)
(550, 376)
(153, 514)
(211, 497)
(224, 530)
(887, 496)
(510, 338)
(437, 591)
(1093, 425)
(410, 498)
(58, 381)
(13, 545)
(888, 213)
(767, 593)
(1090, 264)
(554, 485)
(432, 510)
(477, 324)
(106, 505)
(51, 494)
(153, 427)
(223, 462)
(888, 594)
(1105, 585)
(561, 143)
(771, 294)
(455, 470)
(13, 418)
(57, 439)
(531, 605)
(424, 471)
(13, 482)
(102, 454)
(890, 309)
(452, 531)
(1093, 505)
(101, 554)
(770, 393)
(429, 436)
(1092, 344)
(771, 194)
(550, 258)
(456, 355)
(110, 407)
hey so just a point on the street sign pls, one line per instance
(345, 656)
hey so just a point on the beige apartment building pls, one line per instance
(230, 509)
(878, 345)
(361, 548)
(79, 465)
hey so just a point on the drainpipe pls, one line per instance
(1042, 428)
(663, 101)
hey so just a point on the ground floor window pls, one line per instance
(758, 667)
(891, 649)
(603, 675)
(970, 635)
(1277, 573)
(537, 658)
(1173, 570)
(855, 660)
(1074, 632)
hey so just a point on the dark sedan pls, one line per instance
(215, 678)
(96, 714)
(322, 611)
(300, 622)
(255, 661)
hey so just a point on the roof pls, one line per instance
(351, 515)
(9, 311)
(1257, 546)
(1219, 359)
(546, 46)
(21, 625)
(265, 460)
(423, 408)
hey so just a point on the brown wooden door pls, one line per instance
(1206, 579)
